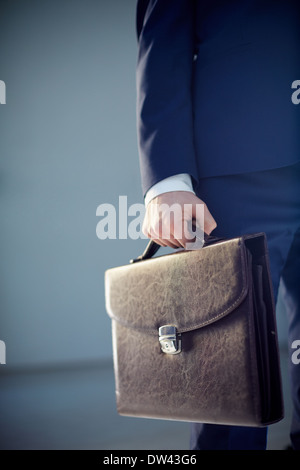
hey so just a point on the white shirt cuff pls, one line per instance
(180, 182)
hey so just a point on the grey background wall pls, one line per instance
(67, 145)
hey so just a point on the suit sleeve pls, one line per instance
(165, 31)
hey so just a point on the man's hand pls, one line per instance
(176, 231)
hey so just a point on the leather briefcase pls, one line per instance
(194, 334)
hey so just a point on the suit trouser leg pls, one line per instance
(291, 297)
(266, 201)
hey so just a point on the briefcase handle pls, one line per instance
(152, 247)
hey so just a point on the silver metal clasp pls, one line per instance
(169, 339)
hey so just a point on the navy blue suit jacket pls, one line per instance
(214, 87)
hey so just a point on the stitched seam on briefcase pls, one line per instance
(213, 319)
(235, 303)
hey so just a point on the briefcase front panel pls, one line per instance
(206, 297)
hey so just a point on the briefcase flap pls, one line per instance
(187, 289)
